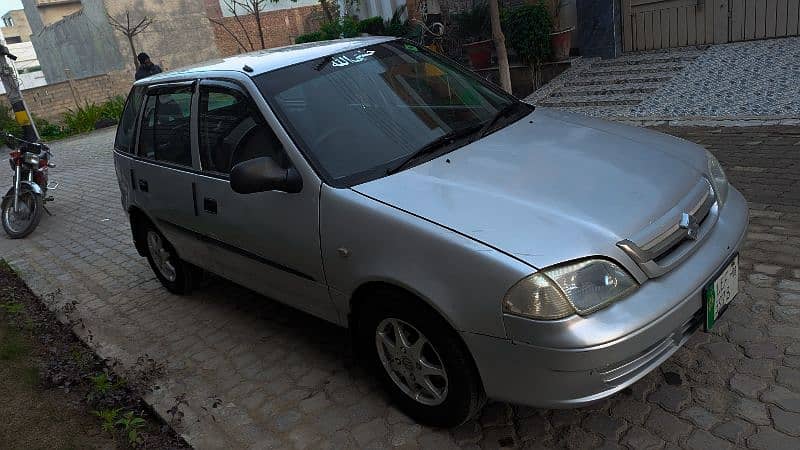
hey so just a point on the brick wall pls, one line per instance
(280, 27)
(51, 101)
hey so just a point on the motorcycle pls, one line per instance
(22, 206)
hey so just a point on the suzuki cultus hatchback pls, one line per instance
(475, 246)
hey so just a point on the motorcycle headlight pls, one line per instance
(581, 287)
(32, 159)
(718, 178)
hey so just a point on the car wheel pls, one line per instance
(175, 274)
(420, 359)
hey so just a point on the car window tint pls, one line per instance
(232, 130)
(164, 132)
(127, 124)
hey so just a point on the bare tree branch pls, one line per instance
(231, 5)
(231, 33)
(130, 31)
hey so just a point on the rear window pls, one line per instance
(126, 130)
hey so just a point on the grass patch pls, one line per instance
(30, 376)
(56, 392)
(12, 346)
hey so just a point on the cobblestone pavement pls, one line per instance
(258, 374)
(741, 79)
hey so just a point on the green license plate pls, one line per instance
(720, 292)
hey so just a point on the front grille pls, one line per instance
(666, 242)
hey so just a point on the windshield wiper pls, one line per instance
(436, 144)
(504, 111)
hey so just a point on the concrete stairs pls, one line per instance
(612, 87)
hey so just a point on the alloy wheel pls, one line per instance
(411, 361)
(161, 256)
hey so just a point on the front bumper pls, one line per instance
(579, 360)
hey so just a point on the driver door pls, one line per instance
(266, 241)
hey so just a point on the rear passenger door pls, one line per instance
(267, 241)
(163, 172)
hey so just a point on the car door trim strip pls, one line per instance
(232, 248)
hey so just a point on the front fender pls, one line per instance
(25, 185)
(364, 241)
(32, 186)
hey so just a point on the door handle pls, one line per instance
(209, 205)
(143, 185)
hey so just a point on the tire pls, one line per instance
(36, 205)
(461, 390)
(175, 274)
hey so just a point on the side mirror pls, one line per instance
(264, 174)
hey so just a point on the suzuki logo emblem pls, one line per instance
(689, 223)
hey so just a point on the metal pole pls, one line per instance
(9, 78)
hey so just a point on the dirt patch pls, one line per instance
(55, 393)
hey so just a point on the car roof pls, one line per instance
(262, 61)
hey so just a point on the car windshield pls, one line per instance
(358, 114)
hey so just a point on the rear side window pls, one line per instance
(164, 134)
(232, 130)
(127, 124)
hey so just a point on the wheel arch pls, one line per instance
(139, 222)
(361, 297)
(362, 294)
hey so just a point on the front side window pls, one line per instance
(165, 131)
(357, 114)
(232, 130)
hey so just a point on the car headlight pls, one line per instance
(718, 178)
(581, 287)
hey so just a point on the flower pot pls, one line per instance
(562, 43)
(479, 53)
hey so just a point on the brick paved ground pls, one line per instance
(258, 374)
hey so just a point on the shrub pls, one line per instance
(350, 26)
(372, 25)
(527, 30)
(346, 27)
(112, 109)
(7, 122)
(314, 36)
(51, 131)
(83, 118)
(396, 26)
(475, 24)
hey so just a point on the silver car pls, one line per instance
(475, 246)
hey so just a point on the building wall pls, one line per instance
(85, 44)
(50, 102)
(266, 7)
(82, 44)
(20, 27)
(51, 11)
(280, 27)
(180, 35)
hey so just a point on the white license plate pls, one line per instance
(721, 291)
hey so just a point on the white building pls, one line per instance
(29, 72)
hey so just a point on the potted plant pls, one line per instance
(561, 38)
(528, 31)
(474, 30)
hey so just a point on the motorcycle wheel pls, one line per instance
(22, 223)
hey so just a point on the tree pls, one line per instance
(500, 46)
(238, 9)
(130, 31)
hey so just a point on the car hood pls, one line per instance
(551, 187)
